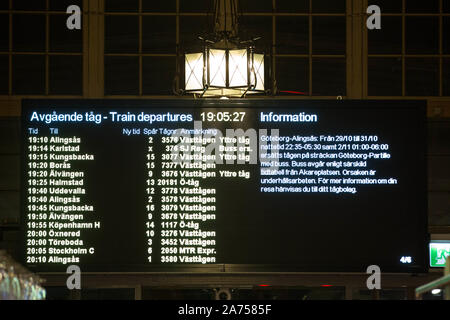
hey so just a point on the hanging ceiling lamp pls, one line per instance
(226, 66)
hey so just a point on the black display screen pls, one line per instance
(244, 185)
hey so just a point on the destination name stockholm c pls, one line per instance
(288, 117)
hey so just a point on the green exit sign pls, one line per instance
(439, 251)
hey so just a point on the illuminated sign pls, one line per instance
(249, 185)
(439, 252)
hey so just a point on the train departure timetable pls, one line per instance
(263, 185)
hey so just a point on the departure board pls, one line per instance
(248, 185)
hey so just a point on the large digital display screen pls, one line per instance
(250, 185)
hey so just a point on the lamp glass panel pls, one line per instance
(238, 68)
(194, 71)
(217, 68)
(225, 92)
(258, 66)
